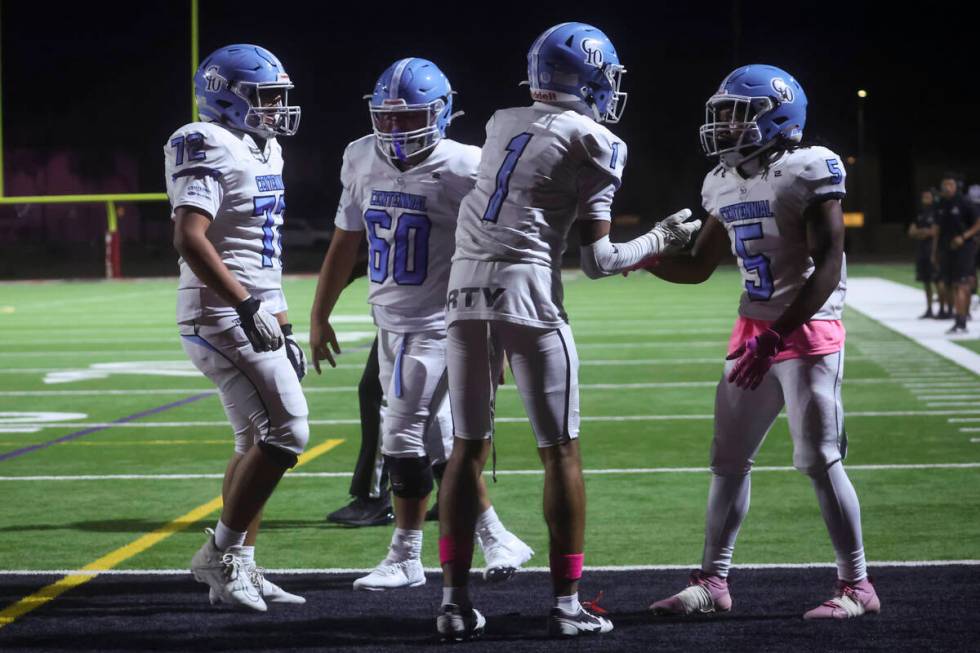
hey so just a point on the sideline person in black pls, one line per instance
(923, 231)
(956, 247)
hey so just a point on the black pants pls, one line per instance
(366, 478)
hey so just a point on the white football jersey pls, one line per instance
(513, 225)
(764, 219)
(225, 174)
(410, 222)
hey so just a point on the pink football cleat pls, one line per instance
(706, 593)
(851, 600)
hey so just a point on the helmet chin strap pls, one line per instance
(753, 162)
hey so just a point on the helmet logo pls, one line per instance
(783, 90)
(214, 79)
(593, 52)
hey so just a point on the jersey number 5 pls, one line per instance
(761, 289)
(411, 247)
(515, 148)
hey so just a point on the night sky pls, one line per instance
(104, 77)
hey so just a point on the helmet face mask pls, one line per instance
(757, 108)
(404, 130)
(246, 88)
(731, 129)
(269, 113)
(411, 108)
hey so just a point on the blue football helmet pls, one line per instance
(577, 64)
(245, 87)
(411, 108)
(755, 109)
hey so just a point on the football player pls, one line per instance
(401, 188)
(543, 167)
(224, 180)
(923, 230)
(957, 225)
(777, 206)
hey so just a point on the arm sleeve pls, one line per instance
(195, 165)
(604, 258)
(348, 215)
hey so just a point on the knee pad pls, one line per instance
(292, 436)
(244, 440)
(411, 478)
(813, 459)
(280, 456)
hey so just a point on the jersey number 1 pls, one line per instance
(515, 148)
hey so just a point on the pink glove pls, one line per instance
(755, 357)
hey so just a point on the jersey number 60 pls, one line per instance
(411, 247)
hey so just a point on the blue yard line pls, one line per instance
(122, 420)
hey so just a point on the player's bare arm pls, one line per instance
(334, 273)
(709, 249)
(825, 239)
(191, 241)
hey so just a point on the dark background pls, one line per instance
(105, 83)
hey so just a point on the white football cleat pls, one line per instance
(583, 622)
(271, 593)
(391, 574)
(457, 624)
(227, 574)
(851, 599)
(504, 555)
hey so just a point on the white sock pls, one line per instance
(842, 514)
(224, 537)
(489, 525)
(456, 596)
(247, 553)
(405, 544)
(568, 604)
(728, 503)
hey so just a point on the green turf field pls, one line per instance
(650, 353)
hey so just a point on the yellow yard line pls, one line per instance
(129, 443)
(114, 558)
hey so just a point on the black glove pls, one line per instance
(294, 352)
(260, 327)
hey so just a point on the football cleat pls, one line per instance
(457, 624)
(706, 593)
(504, 556)
(364, 512)
(227, 574)
(851, 600)
(271, 593)
(391, 574)
(583, 622)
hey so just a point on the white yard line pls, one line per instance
(895, 305)
(500, 472)
(502, 420)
